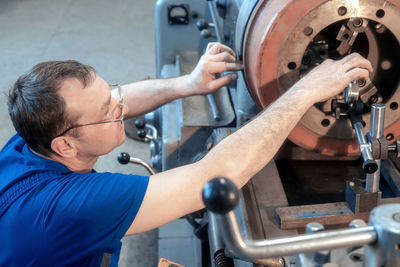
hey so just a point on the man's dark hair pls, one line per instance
(37, 111)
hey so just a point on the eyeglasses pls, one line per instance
(117, 113)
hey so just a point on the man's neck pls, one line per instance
(73, 164)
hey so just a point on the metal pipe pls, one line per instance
(372, 179)
(251, 250)
(377, 120)
(215, 239)
(365, 147)
(376, 132)
(217, 24)
(154, 132)
(143, 163)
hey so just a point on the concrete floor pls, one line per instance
(116, 37)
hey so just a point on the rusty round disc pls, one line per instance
(285, 38)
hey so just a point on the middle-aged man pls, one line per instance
(55, 210)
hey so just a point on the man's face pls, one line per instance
(91, 104)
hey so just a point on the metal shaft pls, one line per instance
(143, 163)
(376, 132)
(365, 147)
(306, 243)
(217, 23)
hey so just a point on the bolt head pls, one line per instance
(314, 227)
(357, 223)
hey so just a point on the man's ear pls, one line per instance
(63, 147)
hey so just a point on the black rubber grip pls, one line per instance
(220, 195)
(370, 166)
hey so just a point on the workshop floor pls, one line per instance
(116, 37)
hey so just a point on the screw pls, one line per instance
(342, 11)
(389, 137)
(308, 31)
(357, 22)
(361, 82)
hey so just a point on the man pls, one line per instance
(55, 210)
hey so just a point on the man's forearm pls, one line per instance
(144, 96)
(249, 149)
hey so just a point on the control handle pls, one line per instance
(125, 158)
(220, 195)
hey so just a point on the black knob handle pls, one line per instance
(206, 33)
(123, 158)
(370, 166)
(140, 124)
(141, 133)
(220, 195)
(202, 24)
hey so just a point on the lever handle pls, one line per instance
(140, 124)
(123, 158)
(141, 133)
(202, 24)
(220, 195)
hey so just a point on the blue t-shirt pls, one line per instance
(50, 216)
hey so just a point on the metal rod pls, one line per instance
(376, 132)
(143, 163)
(216, 242)
(214, 107)
(220, 38)
(377, 120)
(306, 243)
(217, 24)
(365, 147)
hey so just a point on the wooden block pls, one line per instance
(327, 214)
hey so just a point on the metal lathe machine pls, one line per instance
(331, 196)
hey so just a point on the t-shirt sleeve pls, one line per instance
(92, 211)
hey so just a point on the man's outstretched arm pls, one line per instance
(144, 96)
(176, 192)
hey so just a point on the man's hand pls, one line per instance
(217, 59)
(331, 77)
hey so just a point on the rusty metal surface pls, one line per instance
(278, 40)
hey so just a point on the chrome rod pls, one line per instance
(376, 131)
(216, 21)
(143, 163)
(365, 147)
(305, 243)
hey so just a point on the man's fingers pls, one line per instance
(356, 61)
(357, 73)
(216, 48)
(217, 67)
(224, 80)
(223, 57)
(210, 45)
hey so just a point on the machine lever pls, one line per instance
(125, 158)
(202, 24)
(220, 196)
(216, 21)
(369, 165)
